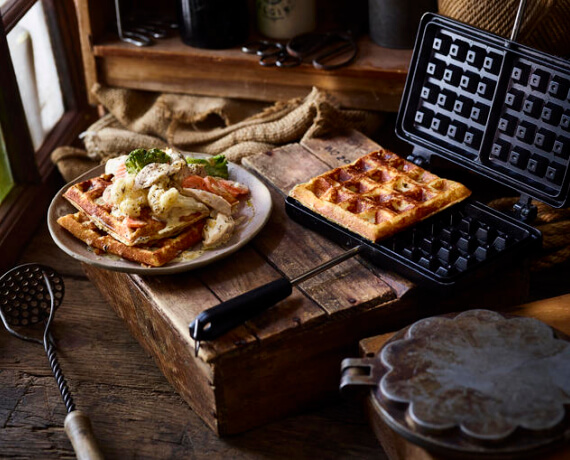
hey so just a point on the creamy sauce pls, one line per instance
(189, 255)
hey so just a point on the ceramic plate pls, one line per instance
(254, 213)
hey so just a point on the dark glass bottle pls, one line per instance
(214, 24)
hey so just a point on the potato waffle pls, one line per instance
(155, 254)
(86, 196)
(378, 194)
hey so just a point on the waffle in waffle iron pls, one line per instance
(378, 194)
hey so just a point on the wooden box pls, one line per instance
(288, 358)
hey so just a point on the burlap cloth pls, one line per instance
(554, 225)
(140, 119)
(545, 24)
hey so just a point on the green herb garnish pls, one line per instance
(139, 158)
(215, 166)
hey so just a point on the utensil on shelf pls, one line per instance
(29, 296)
(133, 38)
(271, 54)
(326, 51)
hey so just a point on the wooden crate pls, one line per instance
(288, 358)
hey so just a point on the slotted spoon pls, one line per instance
(29, 296)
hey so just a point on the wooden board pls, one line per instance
(554, 312)
(287, 358)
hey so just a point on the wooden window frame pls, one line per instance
(35, 176)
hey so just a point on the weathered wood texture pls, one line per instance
(554, 312)
(134, 411)
(287, 358)
(374, 81)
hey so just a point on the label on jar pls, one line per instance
(285, 18)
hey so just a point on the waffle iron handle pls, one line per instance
(216, 321)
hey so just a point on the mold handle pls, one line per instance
(357, 373)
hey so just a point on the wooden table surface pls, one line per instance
(135, 412)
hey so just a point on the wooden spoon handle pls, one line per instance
(79, 431)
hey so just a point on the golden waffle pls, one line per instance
(86, 197)
(156, 254)
(378, 194)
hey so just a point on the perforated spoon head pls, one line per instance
(24, 296)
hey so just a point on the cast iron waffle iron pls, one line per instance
(496, 108)
(471, 385)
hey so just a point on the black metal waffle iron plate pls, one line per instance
(490, 105)
(495, 108)
(460, 244)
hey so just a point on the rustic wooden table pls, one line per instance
(135, 412)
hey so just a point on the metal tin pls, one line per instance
(475, 384)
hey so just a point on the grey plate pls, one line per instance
(255, 212)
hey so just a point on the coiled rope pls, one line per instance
(554, 225)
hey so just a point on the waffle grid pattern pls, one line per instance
(378, 195)
(505, 111)
(457, 93)
(533, 135)
(455, 241)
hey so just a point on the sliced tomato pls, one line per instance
(216, 188)
(234, 188)
(131, 222)
(195, 182)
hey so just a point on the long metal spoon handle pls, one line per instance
(216, 321)
(59, 378)
(323, 267)
(77, 424)
(50, 351)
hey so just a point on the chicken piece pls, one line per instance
(179, 168)
(196, 169)
(163, 201)
(210, 199)
(218, 230)
(116, 166)
(152, 174)
(177, 162)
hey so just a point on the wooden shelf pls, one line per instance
(375, 81)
